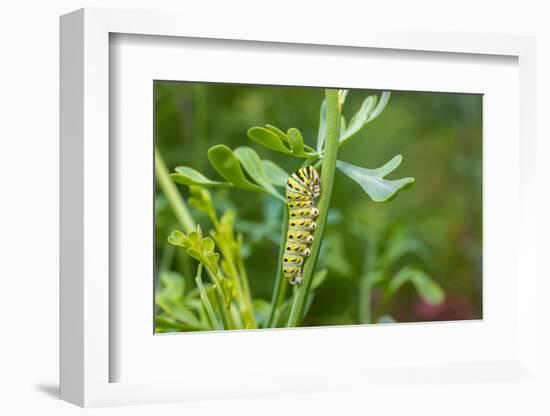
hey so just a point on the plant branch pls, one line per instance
(206, 302)
(224, 304)
(245, 286)
(279, 287)
(243, 293)
(327, 181)
(172, 194)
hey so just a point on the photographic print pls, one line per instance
(289, 206)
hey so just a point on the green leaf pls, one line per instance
(322, 133)
(426, 287)
(275, 174)
(196, 254)
(268, 138)
(373, 182)
(213, 258)
(189, 176)
(253, 165)
(275, 139)
(297, 146)
(384, 98)
(296, 141)
(342, 94)
(281, 134)
(370, 109)
(195, 236)
(177, 238)
(360, 118)
(199, 248)
(208, 244)
(170, 298)
(227, 165)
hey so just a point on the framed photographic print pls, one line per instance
(284, 213)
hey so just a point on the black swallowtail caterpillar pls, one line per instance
(302, 188)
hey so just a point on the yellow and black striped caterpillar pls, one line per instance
(302, 188)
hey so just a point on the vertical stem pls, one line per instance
(327, 181)
(245, 308)
(246, 290)
(206, 302)
(172, 194)
(166, 257)
(279, 287)
(223, 305)
(244, 279)
(230, 248)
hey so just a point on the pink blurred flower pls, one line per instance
(454, 308)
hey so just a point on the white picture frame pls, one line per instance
(87, 309)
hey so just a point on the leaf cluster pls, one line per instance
(243, 168)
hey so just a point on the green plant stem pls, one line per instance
(166, 257)
(172, 194)
(237, 271)
(206, 302)
(246, 287)
(243, 294)
(223, 304)
(244, 278)
(279, 288)
(327, 181)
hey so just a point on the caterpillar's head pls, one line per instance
(314, 212)
(307, 252)
(309, 239)
(312, 226)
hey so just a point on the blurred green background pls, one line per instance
(434, 227)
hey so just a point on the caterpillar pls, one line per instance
(302, 189)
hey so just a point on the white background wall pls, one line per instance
(29, 206)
